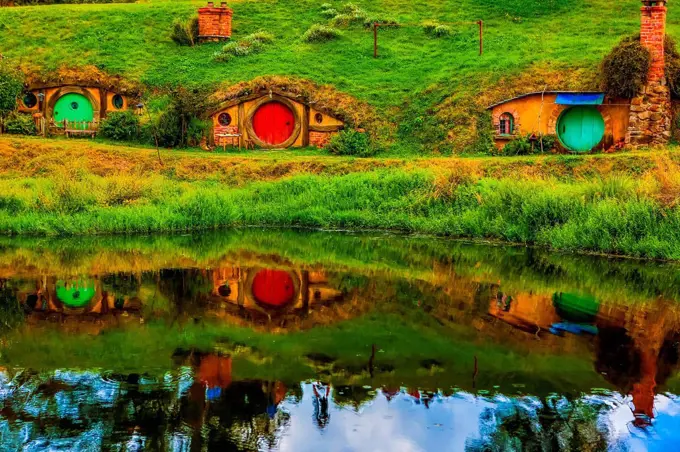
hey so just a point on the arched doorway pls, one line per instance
(274, 123)
(580, 128)
(73, 107)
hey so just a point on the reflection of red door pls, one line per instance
(273, 287)
(273, 123)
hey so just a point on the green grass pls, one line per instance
(413, 71)
(615, 215)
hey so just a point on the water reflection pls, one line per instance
(303, 341)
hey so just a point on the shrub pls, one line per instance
(351, 142)
(249, 45)
(329, 13)
(167, 129)
(120, 125)
(185, 33)
(436, 30)
(320, 33)
(624, 70)
(525, 145)
(672, 66)
(20, 124)
(11, 85)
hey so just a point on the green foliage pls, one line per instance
(321, 33)
(20, 124)
(120, 125)
(672, 66)
(11, 85)
(351, 142)
(436, 30)
(530, 144)
(185, 33)
(178, 124)
(251, 44)
(625, 69)
(57, 2)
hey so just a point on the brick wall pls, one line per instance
(652, 35)
(214, 23)
(319, 139)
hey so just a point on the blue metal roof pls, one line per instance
(579, 98)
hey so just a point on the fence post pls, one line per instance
(481, 37)
(375, 40)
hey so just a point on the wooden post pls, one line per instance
(481, 37)
(375, 40)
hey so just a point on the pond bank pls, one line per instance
(623, 204)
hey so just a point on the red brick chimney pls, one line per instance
(214, 23)
(650, 112)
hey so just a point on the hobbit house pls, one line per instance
(71, 106)
(273, 118)
(586, 121)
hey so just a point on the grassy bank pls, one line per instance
(621, 205)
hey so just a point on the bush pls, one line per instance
(672, 66)
(624, 70)
(351, 142)
(320, 33)
(120, 125)
(436, 30)
(167, 129)
(524, 145)
(185, 33)
(11, 86)
(249, 45)
(20, 124)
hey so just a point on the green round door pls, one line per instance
(581, 128)
(73, 107)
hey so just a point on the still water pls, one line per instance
(306, 341)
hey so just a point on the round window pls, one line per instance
(318, 118)
(118, 101)
(30, 100)
(224, 119)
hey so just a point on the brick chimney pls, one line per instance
(214, 23)
(650, 111)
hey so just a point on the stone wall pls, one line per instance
(650, 112)
(214, 23)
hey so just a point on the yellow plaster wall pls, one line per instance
(327, 120)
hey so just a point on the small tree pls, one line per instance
(625, 69)
(11, 86)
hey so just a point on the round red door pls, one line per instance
(273, 288)
(273, 123)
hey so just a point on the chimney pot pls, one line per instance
(223, 5)
(210, 4)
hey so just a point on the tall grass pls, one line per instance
(617, 215)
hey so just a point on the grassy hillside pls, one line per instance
(414, 71)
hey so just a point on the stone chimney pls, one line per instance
(650, 112)
(214, 23)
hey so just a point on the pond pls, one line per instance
(287, 340)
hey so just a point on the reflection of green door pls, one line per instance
(73, 107)
(580, 128)
(76, 294)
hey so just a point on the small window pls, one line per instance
(118, 101)
(224, 119)
(318, 118)
(506, 125)
(30, 100)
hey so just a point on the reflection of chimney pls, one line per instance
(214, 23)
(650, 112)
(643, 390)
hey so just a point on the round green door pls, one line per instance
(73, 107)
(581, 128)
